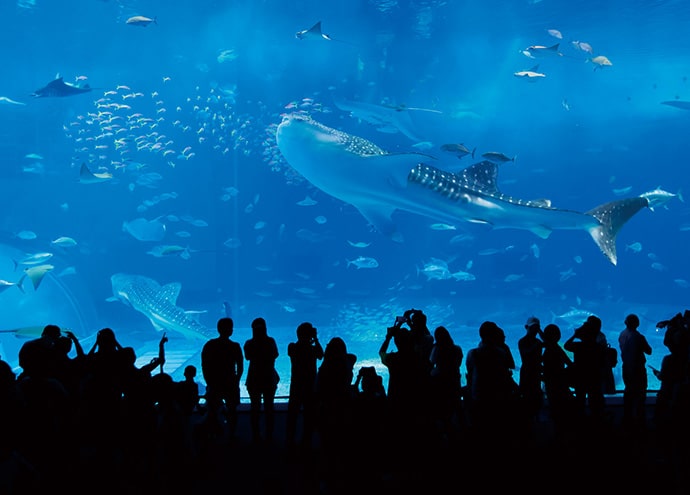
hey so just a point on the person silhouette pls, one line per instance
(304, 355)
(222, 365)
(530, 347)
(589, 359)
(446, 360)
(634, 347)
(557, 370)
(334, 393)
(262, 378)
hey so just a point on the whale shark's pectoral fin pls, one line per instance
(380, 217)
(156, 325)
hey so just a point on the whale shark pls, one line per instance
(379, 183)
(158, 303)
(59, 88)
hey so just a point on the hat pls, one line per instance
(532, 320)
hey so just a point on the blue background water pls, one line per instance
(205, 88)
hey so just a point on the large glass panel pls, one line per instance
(143, 187)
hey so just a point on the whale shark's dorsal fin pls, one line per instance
(482, 177)
(171, 291)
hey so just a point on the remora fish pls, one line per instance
(378, 183)
(59, 88)
(158, 304)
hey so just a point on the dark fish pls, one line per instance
(496, 157)
(459, 149)
(59, 88)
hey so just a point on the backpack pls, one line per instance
(611, 356)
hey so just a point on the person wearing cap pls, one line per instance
(530, 347)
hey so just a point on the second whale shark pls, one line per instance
(378, 183)
(158, 303)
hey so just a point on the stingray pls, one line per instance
(315, 32)
(59, 88)
(312, 32)
(145, 230)
(88, 177)
(36, 274)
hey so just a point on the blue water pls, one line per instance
(183, 115)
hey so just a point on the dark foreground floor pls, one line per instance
(596, 459)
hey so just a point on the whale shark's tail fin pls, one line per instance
(612, 216)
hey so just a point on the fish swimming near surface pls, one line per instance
(158, 303)
(140, 20)
(378, 183)
(58, 88)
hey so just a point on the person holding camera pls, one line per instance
(589, 359)
(303, 357)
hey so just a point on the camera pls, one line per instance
(405, 318)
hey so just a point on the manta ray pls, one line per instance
(158, 303)
(59, 88)
(378, 183)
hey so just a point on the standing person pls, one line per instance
(446, 360)
(262, 378)
(303, 357)
(557, 369)
(530, 347)
(222, 365)
(589, 358)
(634, 346)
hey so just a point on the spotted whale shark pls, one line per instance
(378, 183)
(158, 303)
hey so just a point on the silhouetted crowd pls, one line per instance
(93, 421)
